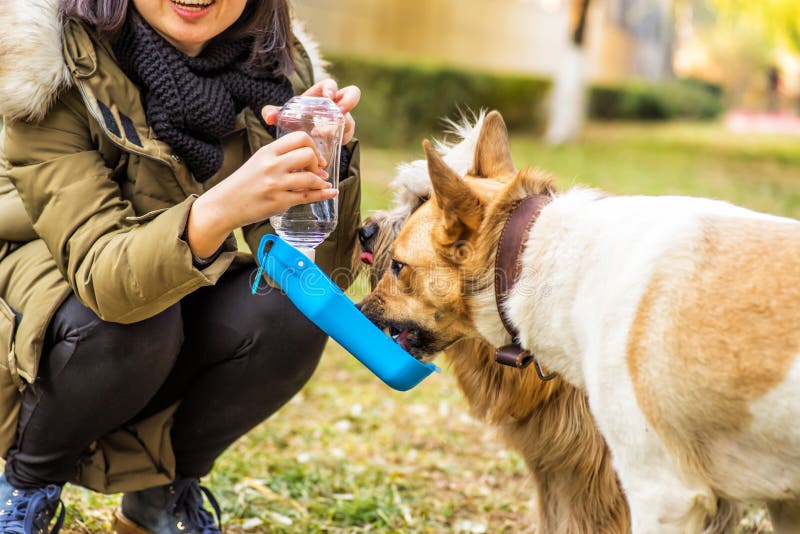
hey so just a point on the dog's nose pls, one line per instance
(366, 233)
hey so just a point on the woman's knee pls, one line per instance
(146, 350)
(287, 345)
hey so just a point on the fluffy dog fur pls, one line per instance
(547, 423)
(679, 317)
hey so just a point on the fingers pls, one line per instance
(348, 98)
(270, 114)
(295, 141)
(326, 88)
(307, 197)
(303, 158)
(301, 181)
(349, 129)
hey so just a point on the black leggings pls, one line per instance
(232, 359)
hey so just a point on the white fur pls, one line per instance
(770, 412)
(585, 268)
(32, 68)
(412, 183)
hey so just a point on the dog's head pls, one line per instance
(441, 260)
(412, 188)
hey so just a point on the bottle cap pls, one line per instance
(308, 112)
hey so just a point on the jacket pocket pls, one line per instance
(150, 215)
(10, 383)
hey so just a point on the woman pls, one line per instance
(137, 139)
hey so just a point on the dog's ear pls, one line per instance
(492, 153)
(462, 209)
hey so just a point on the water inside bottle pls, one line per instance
(301, 230)
(308, 225)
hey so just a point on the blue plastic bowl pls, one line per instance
(319, 299)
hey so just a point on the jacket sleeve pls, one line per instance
(125, 268)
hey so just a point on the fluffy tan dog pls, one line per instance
(547, 423)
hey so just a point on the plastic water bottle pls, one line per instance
(307, 225)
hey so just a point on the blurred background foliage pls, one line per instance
(404, 100)
(778, 21)
(630, 60)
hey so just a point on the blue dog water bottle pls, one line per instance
(319, 299)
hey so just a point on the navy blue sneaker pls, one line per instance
(174, 509)
(30, 511)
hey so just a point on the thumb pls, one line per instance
(270, 114)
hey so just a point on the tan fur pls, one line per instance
(492, 155)
(548, 423)
(550, 426)
(701, 318)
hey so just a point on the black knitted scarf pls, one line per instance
(192, 102)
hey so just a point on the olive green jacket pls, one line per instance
(92, 203)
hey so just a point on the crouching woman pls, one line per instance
(137, 137)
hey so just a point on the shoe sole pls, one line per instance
(123, 525)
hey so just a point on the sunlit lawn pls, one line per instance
(350, 455)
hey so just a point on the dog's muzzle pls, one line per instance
(366, 237)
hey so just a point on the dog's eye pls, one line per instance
(397, 267)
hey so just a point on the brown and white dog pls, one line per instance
(679, 317)
(547, 423)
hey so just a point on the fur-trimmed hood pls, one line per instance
(32, 66)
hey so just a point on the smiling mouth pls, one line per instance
(194, 5)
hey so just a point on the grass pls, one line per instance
(350, 455)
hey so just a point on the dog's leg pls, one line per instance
(726, 518)
(664, 505)
(785, 516)
(661, 499)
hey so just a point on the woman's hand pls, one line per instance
(346, 98)
(282, 174)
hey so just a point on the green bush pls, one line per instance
(680, 99)
(403, 102)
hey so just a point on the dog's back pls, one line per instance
(724, 373)
(687, 315)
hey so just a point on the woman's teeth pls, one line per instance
(194, 5)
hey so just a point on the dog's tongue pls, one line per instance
(402, 339)
(367, 257)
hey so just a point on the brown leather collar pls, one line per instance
(506, 273)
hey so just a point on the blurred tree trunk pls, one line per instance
(568, 102)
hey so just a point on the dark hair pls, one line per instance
(267, 21)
